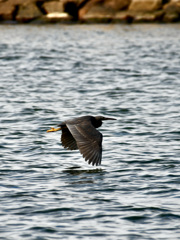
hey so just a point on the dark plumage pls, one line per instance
(80, 133)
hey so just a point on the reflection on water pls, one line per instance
(53, 73)
(83, 176)
(78, 171)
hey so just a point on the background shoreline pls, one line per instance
(89, 11)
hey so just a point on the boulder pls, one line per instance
(6, 11)
(174, 1)
(96, 14)
(54, 6)
(95, 11)
(117, 5)
(173, 6)
(28, 12)
(21, 2)
(145, 5)
(105, 8)
(138, 17)
(172, 11)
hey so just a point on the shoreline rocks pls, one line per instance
(89, 11)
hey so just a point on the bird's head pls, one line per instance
(97, 122)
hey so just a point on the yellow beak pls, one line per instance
(53, 129)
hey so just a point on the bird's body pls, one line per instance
(81, 133)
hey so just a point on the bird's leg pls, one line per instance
(53, 129)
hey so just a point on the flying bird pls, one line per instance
(81, 133)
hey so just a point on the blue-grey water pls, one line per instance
(55, 72)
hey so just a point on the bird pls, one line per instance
(81, 133)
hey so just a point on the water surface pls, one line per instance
(55, 72)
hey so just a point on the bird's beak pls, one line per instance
(53, 129)
(106, 118)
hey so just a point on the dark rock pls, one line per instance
(71, 7)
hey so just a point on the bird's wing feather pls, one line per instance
(89, 141)
(68, 140)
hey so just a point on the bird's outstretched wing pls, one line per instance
(68, 140)
(88, 139)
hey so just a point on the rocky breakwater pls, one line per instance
(89, 11)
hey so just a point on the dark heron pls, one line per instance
(80, 133)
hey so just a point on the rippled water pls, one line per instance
(54, 72)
